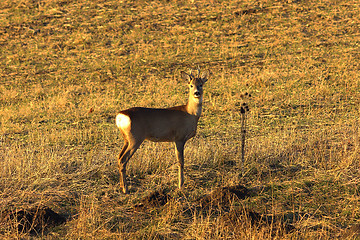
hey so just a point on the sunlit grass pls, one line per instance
(67, 68)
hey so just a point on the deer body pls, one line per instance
(175, 124)
(159, 125)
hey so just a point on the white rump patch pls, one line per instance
(122, 121)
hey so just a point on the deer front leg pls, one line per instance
(180, 157)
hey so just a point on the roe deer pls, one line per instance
(175, 124)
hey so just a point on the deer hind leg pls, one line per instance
(180, 157)
(126, 144)
(121, 166)
(126, 153)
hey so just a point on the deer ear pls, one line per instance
(185, 76)
(205, 75)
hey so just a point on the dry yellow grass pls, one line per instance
(298, 59)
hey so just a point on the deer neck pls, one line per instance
(194, 106)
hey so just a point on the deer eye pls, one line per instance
(191, 86)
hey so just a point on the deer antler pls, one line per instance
(191, 75)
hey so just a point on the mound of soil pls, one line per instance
(224, 196)
(34, 220)
(154, 199)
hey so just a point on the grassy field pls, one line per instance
(68, 66)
